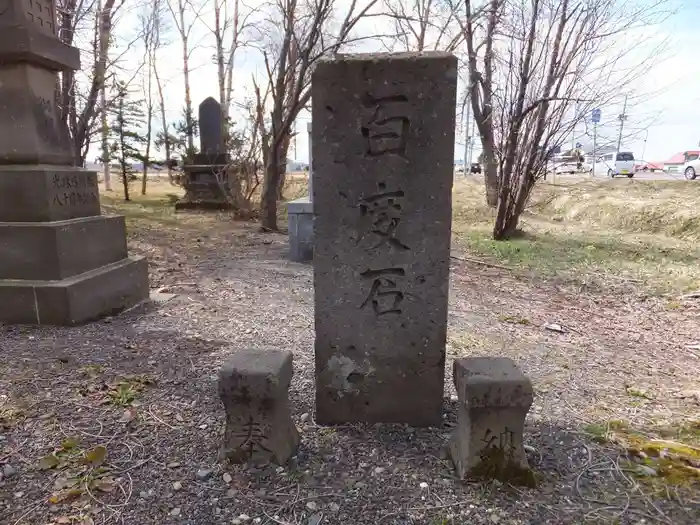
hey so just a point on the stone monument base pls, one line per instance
(300, 215)
(61, 262)
(78, 299)
(203, 191)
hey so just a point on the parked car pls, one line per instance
(566, 167)
(691, 169)
(475, 167)
(620, 163)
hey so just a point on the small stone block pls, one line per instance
(253, 386)
(494, 398)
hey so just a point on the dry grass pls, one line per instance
(595, 233)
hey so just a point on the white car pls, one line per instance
(620, 163)
(691, 169)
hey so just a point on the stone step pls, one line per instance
(60, 249)
(78, 299)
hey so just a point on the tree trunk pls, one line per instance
(186, 75)
(163, 119)
(104, 131)
(282, 166)
(268, 199)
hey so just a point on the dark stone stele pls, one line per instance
(61, 261)
(207, 180)
(211, 141)
(383, 150)
(253, 386)
(494, 399)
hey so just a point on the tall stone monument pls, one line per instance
(208, 184)
(61, 262)
(383, 153)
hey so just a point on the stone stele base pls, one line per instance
(61, 262)
(203, 191)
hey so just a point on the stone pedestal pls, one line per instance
(383, 151)
(253, 387)
(300, 215)
(494, 398)
(61, 262)
(204, 191)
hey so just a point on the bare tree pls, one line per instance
(299, 33)
(151, 21)
(185, 15)
(230, 26)
(422, 25)
(536, 69)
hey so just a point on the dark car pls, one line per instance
(475, 168)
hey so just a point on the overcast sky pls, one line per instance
(664, 107)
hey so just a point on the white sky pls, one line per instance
(665, 107)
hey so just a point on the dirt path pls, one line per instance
(143, 385)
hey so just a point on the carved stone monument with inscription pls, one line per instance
(253, 386)
(208, 182)
(61, 262)
(494, 398)
(383, 150)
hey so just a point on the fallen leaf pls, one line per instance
(104, 485)
(65, 483)
(48, 462)
(128, 416)
(70, 444)
(554, 327)
(96, 456)
(65, 496)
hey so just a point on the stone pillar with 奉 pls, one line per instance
(61, 261)
(383, 156)
(494, 398)
(253, 386)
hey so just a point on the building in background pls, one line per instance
(675, 163)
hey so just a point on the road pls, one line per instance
(656, 175)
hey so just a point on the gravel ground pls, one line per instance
(143, 386)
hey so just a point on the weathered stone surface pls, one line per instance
(211, 141)
(383, 149)
(207, 188)
(300, 218)
(253, 387)
(56, 250)
(29, 123)
(494, 398)
(85, 297)
(47, 193)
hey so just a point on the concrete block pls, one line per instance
(300, 216)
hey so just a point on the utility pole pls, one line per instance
(595, 137)
(622, 117)
(467, 137)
